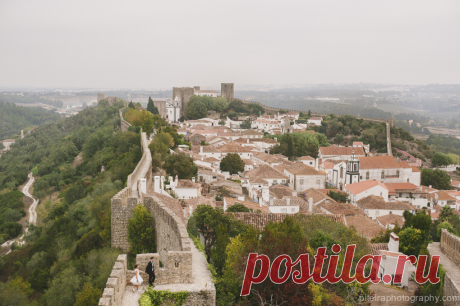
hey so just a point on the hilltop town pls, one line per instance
(209, 170)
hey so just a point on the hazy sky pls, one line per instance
(159, 44)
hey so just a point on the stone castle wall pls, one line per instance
(123, 123)
(184, 94)
(116, 283)
(450, 246)
(227, 91)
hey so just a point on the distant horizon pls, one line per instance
(242, 87)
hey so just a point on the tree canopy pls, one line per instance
(151, 107)
(437, 178)
(232, 163)
(180, 164)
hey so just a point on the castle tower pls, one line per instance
(352, 174)
(226, 91)
(22, 134)
(100, 96)
(286, 126)
(184, 94)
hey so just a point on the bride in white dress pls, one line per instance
(137, 279)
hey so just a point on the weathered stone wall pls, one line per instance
(179, 271)
(144, 167)
(123, 123)
(184, 94)
(450, 246)
(100, 97)
(116, 283)
(161, 105)
(171, 233)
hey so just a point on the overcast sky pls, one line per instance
(159, 44)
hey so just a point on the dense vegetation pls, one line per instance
(293, 236)
(11, 210)
(33, 98)
(446, 144)
(68, 257)
(298, 144)
(14, 118)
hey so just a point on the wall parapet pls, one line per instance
(450, 246)
(123, 123)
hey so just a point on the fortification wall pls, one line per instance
(144, 167)
(170, 231)
(123, 123)
(450, 246)
(116, 283)
(227, 91)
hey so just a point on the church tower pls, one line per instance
(286, 126)
(352, 175)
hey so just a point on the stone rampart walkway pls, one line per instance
(202, 280)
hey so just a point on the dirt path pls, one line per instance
(31, 214)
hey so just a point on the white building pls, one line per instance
(387, 170)
(173, 111)
(185, 189)
(360, 190)
(309, 161)
(390, 260)
(375, 206)
(7, 143)
(315, 120)
(302, 177)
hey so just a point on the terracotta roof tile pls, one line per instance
(232, 147)
(302, 169)
(254, 206)
(378, 162)
(336, 150)
(377, 247)
(375, 202)
(187, 184)
(365, 226)
(391, 219)
(357, 188)
(266, 172)
(280, 191)
(346, 209)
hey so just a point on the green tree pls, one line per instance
(411, 241)
(161, 144)
(151, 107)
(246, 124)
(196, 109)
(131, 105)
(420, 220)
(440, 159)
(437, 178)
(238, 208)
(75, 193)
(180, 164)
(338, 138)
(89, 296)
(256, 108)
(444, 225)
(232, 163)
(221, 104)
(141, 231)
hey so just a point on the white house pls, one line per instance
(254, 206)
(362, 189)
(173, 111)
(442, 198)
(309, 161)
(302, 177)
(7, 143)
(272, 176)
(287, 205)
(375, 206)
(387, 170)
(185, 189)
(390, 260)
(315, 120)
(208, 151)
(231, 147)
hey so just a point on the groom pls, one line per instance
(150, 270)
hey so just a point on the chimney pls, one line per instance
(431, 186)
(248, 142)
(271, 201)
(294, 193)
(310, 205)
(201, 149)
(202, 158)
(393, 244)
(193, 179)
(288, 201)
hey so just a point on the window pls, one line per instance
(400, 195)
(382, 175)
(341, 172)
(356, 167)
(275, 182)
(283, 210)
(301, 182)
(311, 163)
(367, 175)
(397, 173)
(391, 212)
(317, 182)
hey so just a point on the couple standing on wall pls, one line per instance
(150, 270)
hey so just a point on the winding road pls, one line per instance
(32, 213)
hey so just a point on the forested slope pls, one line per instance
(14, 118)
(68, 257)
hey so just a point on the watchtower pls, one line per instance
(226, 91)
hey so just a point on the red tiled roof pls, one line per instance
(391, 219)
(357, 188)
(365, 226)
(379, 162)
(254, 206)
(336, 150)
